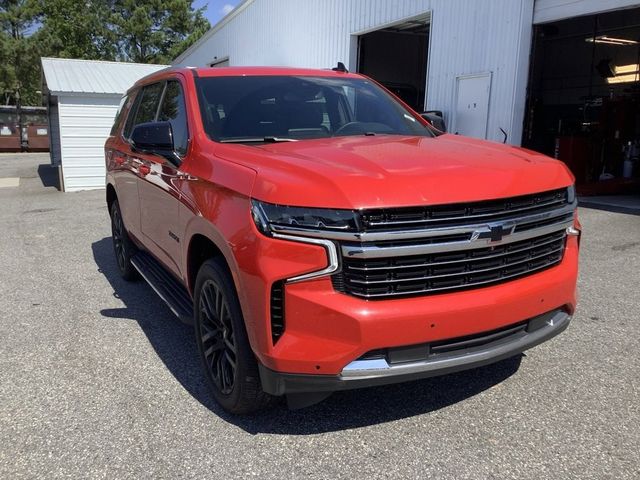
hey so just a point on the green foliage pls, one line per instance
(145, 31)
(18, 16)
(152, 31)
(19, 53)
(77, 29)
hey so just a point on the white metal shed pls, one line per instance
(83, 98)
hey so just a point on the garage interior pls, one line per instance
(396, 56)
(584, 99)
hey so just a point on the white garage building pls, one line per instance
(82, 97)
(469, 59)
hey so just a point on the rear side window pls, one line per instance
(118, 119)
(173, 111)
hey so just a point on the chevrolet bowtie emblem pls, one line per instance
(497, 233)
(494, 232)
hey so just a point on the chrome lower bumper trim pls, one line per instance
(360, 374)
(380, 367)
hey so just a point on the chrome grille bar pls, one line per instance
(479, 215)
(430, 216)
(450, 262)
(445, 275)
(373, 251)
(442, 289)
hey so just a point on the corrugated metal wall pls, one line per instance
(471, 37)
(85, 123)
(552, 10)
(467, 37)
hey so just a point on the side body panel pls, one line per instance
(122, 174)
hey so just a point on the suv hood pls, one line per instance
(394, 171)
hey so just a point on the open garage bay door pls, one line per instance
(396, 56)
(584, 99)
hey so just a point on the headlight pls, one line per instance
(571, 194)
(268, 217)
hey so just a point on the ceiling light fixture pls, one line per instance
(625, 73)
(610, 40)
(631, 77)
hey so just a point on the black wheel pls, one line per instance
(123, 247)
(230, 367)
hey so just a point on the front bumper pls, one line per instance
(326, 330)
(380, 371)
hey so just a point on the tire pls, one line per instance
(123, 247)
(230, 366)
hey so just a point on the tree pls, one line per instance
(155, 31)
(73, 29)
(19, 53)
(146, 31)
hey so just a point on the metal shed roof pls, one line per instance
(64, 75)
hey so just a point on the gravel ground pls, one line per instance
(98, 379)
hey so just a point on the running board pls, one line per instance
(165, 285)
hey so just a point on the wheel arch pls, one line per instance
(111, 195)
(201, 248)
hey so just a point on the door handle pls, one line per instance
(185, 176)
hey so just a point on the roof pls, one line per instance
(65, 75)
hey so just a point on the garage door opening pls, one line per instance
(584, 99)
(396, 56)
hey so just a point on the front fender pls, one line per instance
(216, 204)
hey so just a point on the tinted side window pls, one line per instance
(118, 119)
(128, 126)
(173, 111)
(149, 103)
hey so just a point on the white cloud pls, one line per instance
(227, 8)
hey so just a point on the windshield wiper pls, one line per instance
(258, 140)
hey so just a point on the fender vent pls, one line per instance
(277, 311)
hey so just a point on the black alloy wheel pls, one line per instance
(230, 366)
(123, 247)
(217, 338)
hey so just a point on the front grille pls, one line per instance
(415, 251)
(380, 278)
(462, 213)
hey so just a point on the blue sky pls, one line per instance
(216, 9)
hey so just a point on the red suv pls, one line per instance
(322, 236)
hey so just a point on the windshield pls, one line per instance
(285, 108)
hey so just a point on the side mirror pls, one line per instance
(155, 138)
(434, 117)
